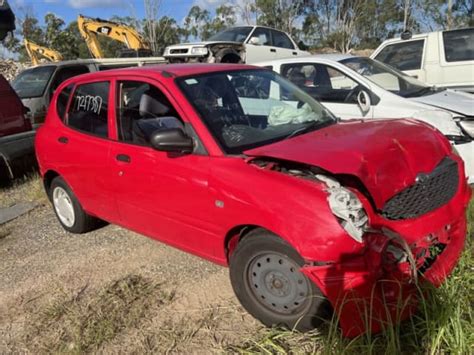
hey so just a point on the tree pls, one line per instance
(196, 24)
(281, 14)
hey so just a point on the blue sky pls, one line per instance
(69, 9)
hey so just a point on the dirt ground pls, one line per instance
(110, 290)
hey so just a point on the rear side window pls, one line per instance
(281, 40)
(459, 45)
(404, 55)
(63, 99)
(89, 109)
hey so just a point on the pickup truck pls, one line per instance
(443, 58)
(16, 134)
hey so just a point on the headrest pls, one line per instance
(151, 106)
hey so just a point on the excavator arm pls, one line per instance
(35, 51)
(90, 28)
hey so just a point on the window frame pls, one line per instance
(200, 148)
(270, 37)
(109, 111)
(423, 52)
(374, 98)
(73, 89)
(443, 60)
(284, 34)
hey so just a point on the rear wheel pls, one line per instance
(68, 210)
(264, 272)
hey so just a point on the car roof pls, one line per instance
(105, 61)
(172, 70)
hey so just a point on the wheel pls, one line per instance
(265, 276)
(228, 55)
(68, 209)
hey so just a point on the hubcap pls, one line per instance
(63, 206)
(277, 283)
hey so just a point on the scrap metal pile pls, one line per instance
(9, 68)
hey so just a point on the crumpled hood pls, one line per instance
(386, 155)
(454, 101)
(203, 44)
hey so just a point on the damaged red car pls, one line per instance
(239, 166)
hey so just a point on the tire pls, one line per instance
(68, 210)
(228, 55)
(265, 276)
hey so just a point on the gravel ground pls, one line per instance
(46, 270)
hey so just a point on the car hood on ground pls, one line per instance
(386, 155)
(203, 44)
(454, 101)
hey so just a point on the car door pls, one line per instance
(334, 89)
(82, 145)
(283, 45)
(263, 49)
(160, 194)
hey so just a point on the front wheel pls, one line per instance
(265, 276)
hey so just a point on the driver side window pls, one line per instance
(322, 82)
(143, 109)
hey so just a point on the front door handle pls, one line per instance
(295, 53)
(123, 158)
(63, 140)
(273, 50)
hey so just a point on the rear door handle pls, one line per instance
(295, 53)
(63, 140)
(273, 50)
(123, 158)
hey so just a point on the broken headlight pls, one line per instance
(199, 50)
(347, 207)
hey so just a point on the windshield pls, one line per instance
(250, 108)
(235, 34)
(388, 78)
(32, 82)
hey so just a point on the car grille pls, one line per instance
(179, 51)
(428, 193)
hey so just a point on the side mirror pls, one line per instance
(172, 140)
(255, 41)
(363, 100)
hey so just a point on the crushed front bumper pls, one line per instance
(380, 287)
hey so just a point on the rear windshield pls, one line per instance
(33, 82)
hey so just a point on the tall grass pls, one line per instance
(444, 323)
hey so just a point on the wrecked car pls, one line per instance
(245, 44)
(237, 165)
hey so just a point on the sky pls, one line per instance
(68, 10)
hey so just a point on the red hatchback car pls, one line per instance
(237, 165)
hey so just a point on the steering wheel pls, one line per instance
(352, 94)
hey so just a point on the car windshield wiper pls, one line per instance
(311, 126)
(423, 91)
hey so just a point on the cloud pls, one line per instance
(83, 4)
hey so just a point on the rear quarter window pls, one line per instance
(404, 55)
(88, 110)
(458, 45)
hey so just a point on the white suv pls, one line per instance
(443, 59)
(245, 44)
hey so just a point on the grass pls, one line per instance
(85, 320)
(27, 188)
(444, 323)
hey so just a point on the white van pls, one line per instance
(444, 58)
(36, 85)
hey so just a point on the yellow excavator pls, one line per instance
(35, 52)
(90, 28)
